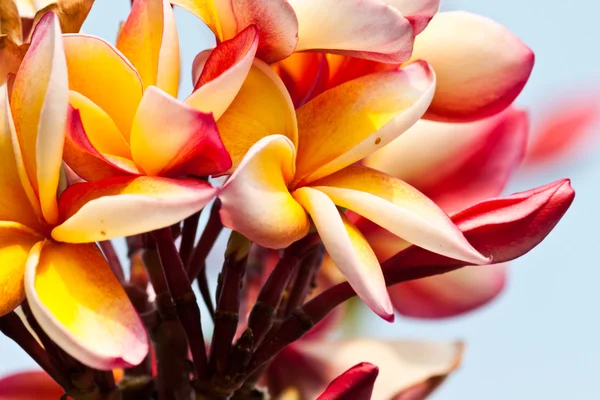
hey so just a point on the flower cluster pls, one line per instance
(363, 145)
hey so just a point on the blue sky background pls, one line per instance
(541, 338)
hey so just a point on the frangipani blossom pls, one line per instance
(478, 75)
(404, 366)
(282, 180)
(70, 288)
(381, 30)
(134, 142)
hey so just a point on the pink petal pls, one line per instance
(418, 12)
(356, 384)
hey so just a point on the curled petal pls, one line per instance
(10, 23)
(261, 108)
(39, 107)
(70, 13)
(304, 74)
(356, 383)
(361, 28)
(171, 138)
(219, 75)
(503, 228)
(149, 40)
(344, 68)
(79, 303)
(15, 242)
(94, 65)
(400, 209)
(126, 206)
(256, 201)
(206, 11)
(347, 123)
(450, 294)
(457, 164)
(479, 74)
(348, 249)
(402, 364)
(99, 127)
(29, 385)
(15, 204)
(84, 158)
(418, 12)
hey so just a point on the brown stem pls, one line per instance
(12, 326)
(113, 259)
(185, 301)
(188, 237)
(228, 304)
(206, 242)
(304, 280)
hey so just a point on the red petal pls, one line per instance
(29, 385)
(354, 384)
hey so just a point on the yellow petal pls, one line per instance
(347, 123)
(348, 249)
(39, 107)
(15, 204)
(149, 40)
(99, 127)
(11, 55)
(168, 135)
(79, 303)
(102, 74)
(205, 10)
(399, 208)
(256, 201)
(262, 107)
(15, 242)
(479, 74)
(125, 206)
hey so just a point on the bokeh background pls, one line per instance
(541, 338)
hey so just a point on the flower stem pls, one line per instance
(188, 237)
(113, 259)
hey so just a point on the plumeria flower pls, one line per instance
(142, 147)
(70, 288)
(381, 30)
(405, 368)
(283, 179)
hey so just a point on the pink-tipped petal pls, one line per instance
(39, 104)
(126, 206)
(149, 40)
(256, 201)
(450, 294)
(218, 76)
(170, 138)
(457, 164)
(361, 28)
(348, 249)
(79, 303)
(418, 12)
(400, 209)
(354, 384)
(478, 74)
(347, 123)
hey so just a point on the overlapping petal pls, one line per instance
(126, 206)
(478, 74)
(261, 108)
(70, 13)
(400, 209)
(219, 74)
(11, 55)
(450, 294)
(345, 124)
(10, 22)
(362, 28)
(418, 12)
(79, 303)
(14, 203)
(84, 158)
(304, 74)
(348, 249)
(457, 164)
(356, 383)
(29, 385)
(39, 108)
(171, 138)
(256, 201)
(94, 65)
(149, 40)
(402, 364)
(275, 20)
(15, 242)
